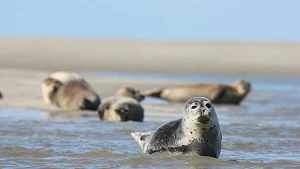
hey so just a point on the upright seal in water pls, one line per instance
(197, 131)
(74, 95)
(217, 93)
(121, 108)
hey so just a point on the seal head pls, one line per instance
(50, 87)
(130, 92)
(200, 111)
(121, 108)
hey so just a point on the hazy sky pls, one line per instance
(260, 20)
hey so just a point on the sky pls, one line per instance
(241, 20)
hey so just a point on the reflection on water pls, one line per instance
(264, 131)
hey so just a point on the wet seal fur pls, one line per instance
(121, 108)
(74, 95)
(217, 93)
(197, 131)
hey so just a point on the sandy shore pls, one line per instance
(151, 56)
(25, 62)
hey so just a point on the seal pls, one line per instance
(217, 93)
(121, 108)
(197, 131)
(130, 92)
(65, 77)
(74, 95)
(1, 95)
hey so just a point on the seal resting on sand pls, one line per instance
(197, 131)
(130, 92)
(121, 108)
(63, 77)
(217, 93)
(74, 95)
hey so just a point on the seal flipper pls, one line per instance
(156, 92)
(140, 138)
(218, 94)
(91, 105)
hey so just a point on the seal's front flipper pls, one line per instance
(218, 93)
(141, 138)
(91, 105)
(156, 92)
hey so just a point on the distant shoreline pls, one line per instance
(140, 56)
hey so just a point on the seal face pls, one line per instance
(197, 131)
(50, 87)
(121, 108)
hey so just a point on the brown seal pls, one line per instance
(217, 93)
(74, 95)
(63, 77)
(121, 108)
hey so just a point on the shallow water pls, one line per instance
(264, 131)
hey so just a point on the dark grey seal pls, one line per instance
(197, 131)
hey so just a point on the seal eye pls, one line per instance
(107, 106)
(193, 107)
(208, 105)
(132, 92)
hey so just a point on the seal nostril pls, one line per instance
(193, 107)
(208, 105)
